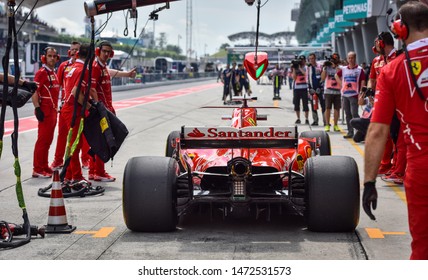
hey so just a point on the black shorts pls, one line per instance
(333, 99)
(300, 94)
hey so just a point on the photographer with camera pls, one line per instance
(315, 88)
(332, 94)
(351, 79)
(300, 89)
(400, 88)
(366, 97)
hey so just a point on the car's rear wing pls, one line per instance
(216, 137)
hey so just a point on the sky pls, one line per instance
(213, 20)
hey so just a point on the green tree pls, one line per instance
(162, 40)
(173, 48)
(224, 46)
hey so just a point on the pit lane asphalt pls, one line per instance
(285, 237)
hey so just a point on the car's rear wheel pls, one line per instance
(149, 194)
(332, 194)
(171, 143)
(323, 140)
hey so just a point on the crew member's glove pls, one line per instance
(92, 109)
(29, 86)
(39, 114)
(370, 198)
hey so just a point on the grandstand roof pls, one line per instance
(252, 34)
(264, 36)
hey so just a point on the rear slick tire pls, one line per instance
(323, 140)
(150, 195)
(332, 194)
(171, 143)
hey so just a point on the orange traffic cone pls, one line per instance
(57, 219)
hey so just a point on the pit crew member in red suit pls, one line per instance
(404, 90)
(384, 46)
(74, 170)
(45, 102)
(101, 79)
(63, 69)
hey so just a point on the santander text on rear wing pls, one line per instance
(229, 137)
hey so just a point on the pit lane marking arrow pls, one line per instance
(375, 233)
(102, 233)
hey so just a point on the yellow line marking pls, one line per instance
(398, 191)
(394, 187)
(376, 233)
(357, 147)
(102, 233)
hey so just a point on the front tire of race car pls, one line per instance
(150, 195)
(323, 139)
(332, 194)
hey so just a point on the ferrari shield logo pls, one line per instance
(416, 67)
(251, 121)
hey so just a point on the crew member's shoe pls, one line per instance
(56, 165)
(384, 169)
(336, 128)
(393, 178)
(85, 164)
(41, 174)
(314, 124)
(327, 128)
(307, 121)
(48, 171)
(297, 121)
(348, 136)
(91, 176)
(104, 178)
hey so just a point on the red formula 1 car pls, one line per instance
(242, 168)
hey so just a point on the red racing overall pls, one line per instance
(61, 141)
(74, 171)
(377, 64)
(101, 80)
(48, 91)
(396, 93)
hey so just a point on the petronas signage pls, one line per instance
(357, 9)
